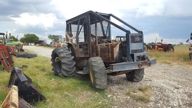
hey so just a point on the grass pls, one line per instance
(60, 92)
(180, 55)
(3, 85)
(142, 93)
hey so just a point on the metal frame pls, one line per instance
(84, 19)
(127, 66)
(87, 19)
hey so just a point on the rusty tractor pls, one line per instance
(97, 46)
(5, 54)
(160, 47)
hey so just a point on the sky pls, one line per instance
(170, 20)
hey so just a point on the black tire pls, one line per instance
(170, 48)
(63, 62)
(25, 55)
(97, 73)
(135, 75)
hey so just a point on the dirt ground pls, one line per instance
(171, 86)
(43, 51)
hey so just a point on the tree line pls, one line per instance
(29, 38)
(32, 38)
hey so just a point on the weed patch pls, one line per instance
(142, 93)
(180, 55)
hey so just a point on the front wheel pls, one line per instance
(135, 75)
(97, 73)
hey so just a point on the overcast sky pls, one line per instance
(170, 20)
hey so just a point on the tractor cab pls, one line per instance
(95, 34)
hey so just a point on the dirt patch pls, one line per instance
(170, 86)
(42, 51)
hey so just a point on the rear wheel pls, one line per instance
(63, 62)
(97, 73)
(135, 75)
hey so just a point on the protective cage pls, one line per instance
(92, 34)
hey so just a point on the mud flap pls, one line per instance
(26, 90)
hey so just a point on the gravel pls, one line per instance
(171, 88)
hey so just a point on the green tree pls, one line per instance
(13, 38)
(29, 38)
(23, 40)
(54, 38)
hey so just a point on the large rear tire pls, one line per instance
(97, 73)
(135, 75)
(63, 62)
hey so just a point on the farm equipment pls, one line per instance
(22, 93)
(5, 54)
(160, 47)
(7, 49)
(12, 100)
(26, 90)
(16, 45)
(91, 49)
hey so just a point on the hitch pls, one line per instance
(26, 90)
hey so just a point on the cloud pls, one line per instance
(155, 37)
(152, 37)
(28, 19)
(70, 8)
(138, 8)
(15, 7)
(179, 8)
(167, 18)
(150, 8)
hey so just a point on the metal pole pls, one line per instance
(126, 23)
(121, 28)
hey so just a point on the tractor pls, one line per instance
(5, 54)
(9, 41)
(100, 44)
